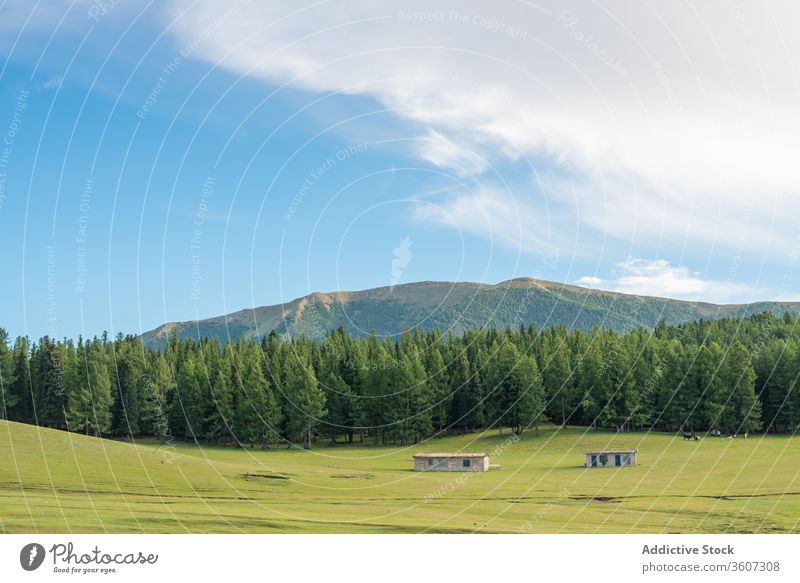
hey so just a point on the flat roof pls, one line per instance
(612, 451)
(437, 455)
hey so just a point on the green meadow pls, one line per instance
(53, 481)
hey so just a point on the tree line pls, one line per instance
(731, 375)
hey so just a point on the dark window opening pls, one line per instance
(466, 463)
(594, 461)
(617, 460)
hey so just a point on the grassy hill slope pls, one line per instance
(52, 481)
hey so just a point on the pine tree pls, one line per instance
(669, 409)
(525, 403)
(592, 384)
(378, 410)
(343, 411)
(219, 407)
(515, 375)
(20, 392)
(619, 393)
(79, 399)
(157, 393)
(708, 388)
(51, 401)
(473, 404)
(418, 422)
(554, 363)
(8, 399)
(99, 385)
(492, 383)
(258, 415)
(459, 390)
(126, 377)
(438, 388)
(188, 410)
(307, 406)
(742, 413)
(776, 380)
(644, 373)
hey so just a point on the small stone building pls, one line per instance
(451, 462)
(611, 458)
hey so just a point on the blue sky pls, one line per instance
(183, 160)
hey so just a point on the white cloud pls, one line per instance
(660, 278)
(53, 83)
(589, 281)
(441, 151)
(684, 117)
(494, 214)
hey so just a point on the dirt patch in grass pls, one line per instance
(746, 496)
(362, 475)
(264, 476)
(612, 499)
(598, 499)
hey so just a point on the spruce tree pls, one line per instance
(8, 399)
(459, 391)
(99, 385)
(742, 413)
(438, 388)
(525, 400)
(219, 407)
(51, 396)
(414, 384)
(307, 404)
(20, 392)
(126, 376)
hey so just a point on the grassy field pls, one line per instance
(51, 481)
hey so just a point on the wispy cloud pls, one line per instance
(441, 151)
(703, 122)
(658, 277)
(494, 214)
(53, 83)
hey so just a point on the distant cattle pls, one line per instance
(690, 437)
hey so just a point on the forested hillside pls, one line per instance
(732, 375)
(456, 308)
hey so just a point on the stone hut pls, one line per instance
(611, 458)
(451, 462)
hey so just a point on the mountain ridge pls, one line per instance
(455, 307)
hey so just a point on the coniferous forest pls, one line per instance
(730, 375)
